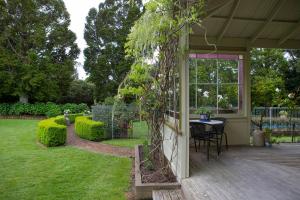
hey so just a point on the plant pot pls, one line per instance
(258, 138)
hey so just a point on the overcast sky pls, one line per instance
(78, 10)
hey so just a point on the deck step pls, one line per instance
(167, 195)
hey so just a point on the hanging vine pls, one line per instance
(154, 43)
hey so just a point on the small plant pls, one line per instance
(147, 157)
(202, 110)
(267, 136)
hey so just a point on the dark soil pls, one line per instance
(98, 147)
(160, 174)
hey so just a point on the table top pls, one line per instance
(211, 122)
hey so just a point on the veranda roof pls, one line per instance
(242, 24)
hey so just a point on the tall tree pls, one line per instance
(37, 50)
(105, 32)
(292, 73)
(267, 74)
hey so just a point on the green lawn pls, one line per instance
(30, 171)
(283, 139)
(140, 132)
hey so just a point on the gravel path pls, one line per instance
(98, 147)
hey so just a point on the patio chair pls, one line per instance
(200, 133)
(221, 131)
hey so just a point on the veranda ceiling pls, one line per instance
(241, 24)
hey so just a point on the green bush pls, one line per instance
(60, 120)
(89, 129)
(52, 132)
(4, 108)
(49, 109)
(72, 117)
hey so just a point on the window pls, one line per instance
(173, 94)
(216, 82)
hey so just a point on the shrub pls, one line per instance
(52, 132)
(72, 117)
(89, 129)
(4, 108)
(49, 109)
(60, 120)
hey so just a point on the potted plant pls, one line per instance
(268, 136)
(204, 113)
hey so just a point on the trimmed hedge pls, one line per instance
(72, 117)
(52, 132)
(49, 109)
(88, 129)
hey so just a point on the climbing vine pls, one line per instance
(154, 43)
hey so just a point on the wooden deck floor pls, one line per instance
(245, 173)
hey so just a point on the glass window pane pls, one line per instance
(206, 71)
(228, 98)
(228, 71)
(206, 96)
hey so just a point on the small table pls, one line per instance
(210, 122)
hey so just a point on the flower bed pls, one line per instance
(143, 190)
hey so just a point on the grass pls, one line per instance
(285, 139)
(140, 132)
(30, 171)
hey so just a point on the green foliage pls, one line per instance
(37, 49)
(54, 110)
(267, 74)
(105, 33)
(51, 132)
(268, 134)
(147, 156)
(263, 89)
(89, 129)
(49, 109)
(80, 91)
(72, 117)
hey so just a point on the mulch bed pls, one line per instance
(98, 147)
(160, 174)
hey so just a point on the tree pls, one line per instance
(292, 73)
(37, 50)
(267, 67)
(105, 32)
(80, 91)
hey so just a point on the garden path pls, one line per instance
(74, 140)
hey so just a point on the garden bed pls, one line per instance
(148, 180)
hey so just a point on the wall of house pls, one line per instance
(175, 150)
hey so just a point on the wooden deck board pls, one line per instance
(167, 195)
(245, 173)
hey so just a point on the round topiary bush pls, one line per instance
(88, 129)
(52, 131)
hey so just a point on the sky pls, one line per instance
(78, 10)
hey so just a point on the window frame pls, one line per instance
(242, 81)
